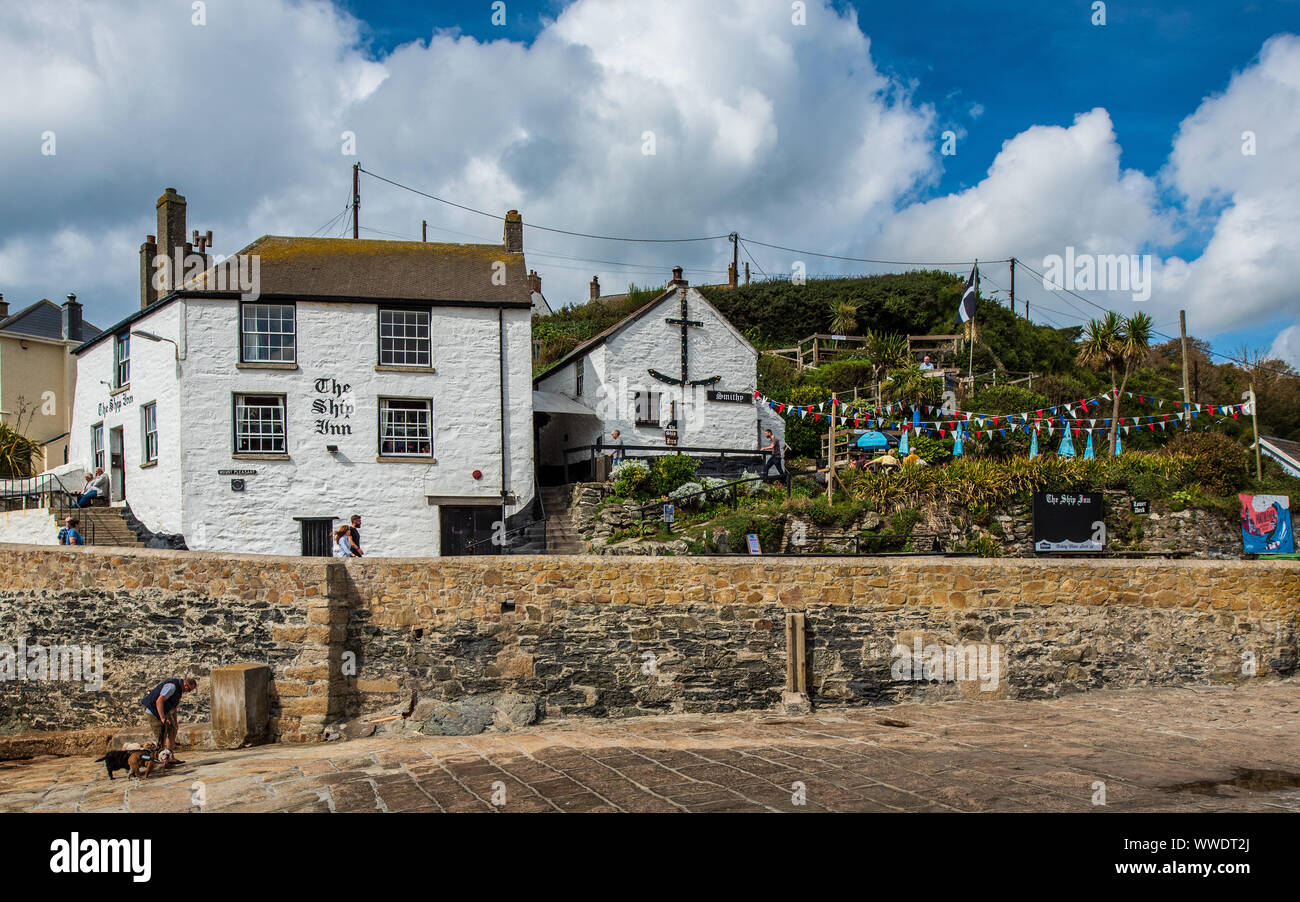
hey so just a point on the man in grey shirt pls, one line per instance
(96, 487)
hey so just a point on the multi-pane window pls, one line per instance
(579, 369)
(97, 444)
(647, 407)
(259, 424)
(405, 428)
(122, 360)
(269, 333)
(149, 426)
(404, 338)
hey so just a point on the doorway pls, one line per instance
(467, 530)
(317, 536)
(116, 465)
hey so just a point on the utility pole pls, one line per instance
(735, 259)
(356, 198)
(830, 456)
(1013, 286)
(1182, 326)
(424, 230)
(1254, 422)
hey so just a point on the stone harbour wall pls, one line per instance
(615, 636)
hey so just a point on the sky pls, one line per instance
(922, 133)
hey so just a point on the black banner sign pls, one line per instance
(1068, 521)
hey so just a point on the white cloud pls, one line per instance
(1286, 347)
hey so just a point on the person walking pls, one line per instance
(773, 451)
(354, 535)
(69, 534)
(162, 703)
(342, 544)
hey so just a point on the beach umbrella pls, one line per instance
(916, 418)
(956, 445)
(1087, 452)
(873, 441)
(902, 444)
(1119, 445)
(1033, 445)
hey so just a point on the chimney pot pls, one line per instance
(514, 233)
(677, 276)
(595, 288)
(4, 307)
(72, 330)
(535, 281)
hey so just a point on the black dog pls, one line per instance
(130, 760)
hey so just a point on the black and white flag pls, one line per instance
(966, 309)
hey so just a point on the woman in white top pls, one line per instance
(342, 544)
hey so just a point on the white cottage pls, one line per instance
(673, 375)
(383, 378)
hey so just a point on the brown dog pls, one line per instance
(131, 759)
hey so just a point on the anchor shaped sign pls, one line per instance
(686, 324)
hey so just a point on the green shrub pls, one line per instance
(631, 478)
(686, 495)
(1220, 462)
(931, 450)
(671, 470)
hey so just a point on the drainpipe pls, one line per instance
(501, 370)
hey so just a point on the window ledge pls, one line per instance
(406, 460)
(265, 366)
(119, 389)
(388, 368)
(245, 456)
(147, 464)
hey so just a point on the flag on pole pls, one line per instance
(966, 309)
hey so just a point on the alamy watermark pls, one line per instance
(949, 663)
(1098, 272)
(53, 663)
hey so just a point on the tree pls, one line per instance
(844, 317)
(887, 352)
(17, 453)
(1115, 344)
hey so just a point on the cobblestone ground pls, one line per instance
(1203, 749)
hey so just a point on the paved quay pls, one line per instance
(1194, 749)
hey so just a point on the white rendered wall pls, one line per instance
(154, 492)
(34, 526)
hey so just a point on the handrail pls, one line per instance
(730, 486)
(675, 449)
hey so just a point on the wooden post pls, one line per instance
(356, 197)
(1254, 422)
(796, 662)
(830, 456)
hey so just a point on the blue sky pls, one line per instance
(1116, 139)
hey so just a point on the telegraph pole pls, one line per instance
(733, 279)
(356, 198)
(424, 230)
(1013, 286)
(1182, 325)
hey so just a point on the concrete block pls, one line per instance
(240, 704)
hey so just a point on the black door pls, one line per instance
(317, 540)
(468, 530)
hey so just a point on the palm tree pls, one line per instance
(844, 317)
(887, 351)
(18, 454)
(1116, 344)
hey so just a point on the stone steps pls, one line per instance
(111, 528)
(561, 535)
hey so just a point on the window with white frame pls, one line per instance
(149, 430)
(259, 424)
(122, 360)
(97, 445)
(646, 404)
(404, 338)
(405, 427)
(268, 333)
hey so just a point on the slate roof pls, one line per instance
(1286, 447)
(370, 268)
(365, 269)
(44, 319)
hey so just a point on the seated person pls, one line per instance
(96, 487)
(926, 364)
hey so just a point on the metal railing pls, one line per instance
(660, 450)
(45, 491)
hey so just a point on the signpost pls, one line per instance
(1141, 507)
(1069, 521)
(668, 513)
(754, 547)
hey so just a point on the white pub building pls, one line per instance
(256, 404)
(675, 374)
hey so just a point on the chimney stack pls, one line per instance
(731, 275)
(677, 277)
(171, 233)
(594, 293)
(148, 250)
(534, 281)
(72, 320)
(514, 234)
(4, 307)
